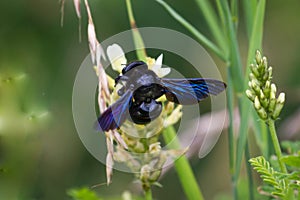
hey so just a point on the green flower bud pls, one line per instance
(273, 91)
(262, 113)
(263, 100)
(145, 173)
(260, 110)
(254, 70)
(155, 175)
(277, 110)
(255, 86)
(267, 84)
(249, 84)
(270, 72)
(257, 105)
(261, 95)
(265, 62)
(251, 76)
(281, 98)
(272, 104)
(250, 95)
(258, 57)
(265, 76)
(267, 89)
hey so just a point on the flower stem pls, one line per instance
(276, 145)
(137, 38)
(182, 166)
(148, 194)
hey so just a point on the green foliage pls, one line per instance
(269, 175)
(83, 194)
(290, 146)
(18, 104)
(283, 185)
(292, 160)
(223, 27)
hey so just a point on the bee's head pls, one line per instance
(134, 64)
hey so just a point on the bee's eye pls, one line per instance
(121, 91)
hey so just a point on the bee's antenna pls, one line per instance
(123, 64)
(98, 185)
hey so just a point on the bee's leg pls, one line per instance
(145, 112)
(121, 78)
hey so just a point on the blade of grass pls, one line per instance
(237, 76)
(231, 140)
(234, 12)
(254, 43)
(183, 168)
(222, 18)
(201, 38)
(230, 103)
(214, 26)
(256, 35)
(249, 172)
(235, 60)
(137, 38)
(249, 8)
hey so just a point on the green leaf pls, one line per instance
(291, 160)
(82, 194)
(270, 176)
(212, 21)
(201, 38)
(291, 147)
(294, 176)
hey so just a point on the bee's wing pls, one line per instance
(114, 116)
(191, 90)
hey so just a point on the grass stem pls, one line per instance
(137, 38)
(276, 145)
(148, 194)
(183, 168)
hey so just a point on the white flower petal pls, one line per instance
(164, 71)
(157, 67)
(116, 57)
(159, 60)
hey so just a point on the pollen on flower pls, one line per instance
(150, 62)
(155, 147)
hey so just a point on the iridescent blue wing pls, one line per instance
(191, 90)
(114, 116)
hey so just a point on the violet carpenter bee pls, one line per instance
(140, 89)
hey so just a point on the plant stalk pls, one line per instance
(249, 172)
(183, 168)
(148, 194)
(276, 145)
(137, 38)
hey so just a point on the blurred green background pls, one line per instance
(41, 156)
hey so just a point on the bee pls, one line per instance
(141, 88)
